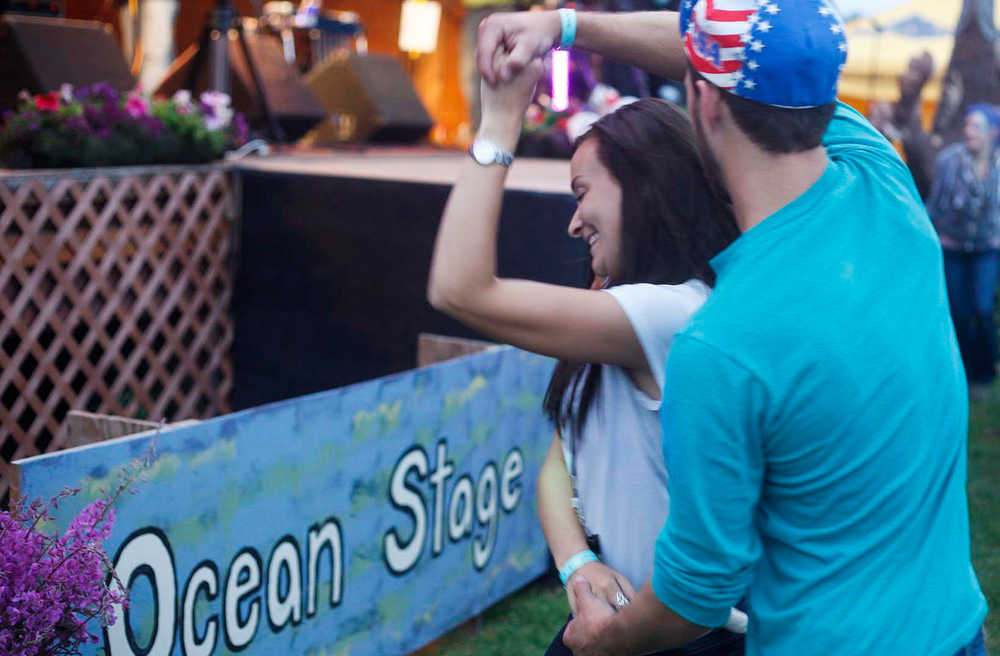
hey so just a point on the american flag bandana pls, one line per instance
(787, 53)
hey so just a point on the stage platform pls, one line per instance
(334, 253)
(414, 165)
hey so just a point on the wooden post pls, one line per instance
(438, 348)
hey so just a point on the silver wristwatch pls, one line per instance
(485, 152)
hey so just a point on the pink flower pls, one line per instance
(136, 106)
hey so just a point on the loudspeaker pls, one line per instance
(40, 54)
(264, 87)
(369, 98)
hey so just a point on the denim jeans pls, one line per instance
(975, 648)
(972, 287)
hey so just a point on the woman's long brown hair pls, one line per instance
(673, 222)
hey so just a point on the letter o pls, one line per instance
(146, 553)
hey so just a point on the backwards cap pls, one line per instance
(786, 53)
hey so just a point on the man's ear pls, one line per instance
(709, 103)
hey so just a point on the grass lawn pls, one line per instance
(984, 505)
(525, 623)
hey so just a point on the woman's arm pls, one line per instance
(562, 529)
(563, 322)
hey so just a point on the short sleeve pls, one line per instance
(851, 141)
(707, 549)
(657, 313)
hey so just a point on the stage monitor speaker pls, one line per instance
(369, 98)
(263, 86)
(41, 54)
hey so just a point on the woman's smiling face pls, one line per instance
(598, 216)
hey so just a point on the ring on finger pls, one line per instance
(620, 600)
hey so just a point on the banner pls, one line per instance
(369, 519)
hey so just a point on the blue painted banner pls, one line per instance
(364, 520)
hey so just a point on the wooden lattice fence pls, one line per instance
(115, 287)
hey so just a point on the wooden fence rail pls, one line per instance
(115, 287)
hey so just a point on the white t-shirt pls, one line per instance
(621, 478)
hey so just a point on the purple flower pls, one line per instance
(51, 585)
(241, 131)
(151, 125)
(78, 124)
(104, 91)
(215, 107)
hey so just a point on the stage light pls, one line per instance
(418, 26)
(560, 80)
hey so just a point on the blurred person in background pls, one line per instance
(964, 205)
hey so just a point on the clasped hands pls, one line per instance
(509, 54)
(595, 594)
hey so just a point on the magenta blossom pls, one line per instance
(51, 586)
(136, 106)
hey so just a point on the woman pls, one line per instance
(965, 207)
(651, 221)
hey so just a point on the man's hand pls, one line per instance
(523, 36)
(587, 634)
(605, 583)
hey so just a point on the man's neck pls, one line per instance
(761, 183)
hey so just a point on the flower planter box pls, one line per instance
(115, 286)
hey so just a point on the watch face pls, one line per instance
(483, 151)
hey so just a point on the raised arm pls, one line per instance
(649, 40)
(563, 322)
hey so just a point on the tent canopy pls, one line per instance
(880, 47)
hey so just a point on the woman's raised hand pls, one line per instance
(504, 103)
(605, 582)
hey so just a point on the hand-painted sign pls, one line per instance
(364, 520)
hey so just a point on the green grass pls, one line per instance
(525, 623)
(520, 625)
(984, 505)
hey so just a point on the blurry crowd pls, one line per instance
(957, 172)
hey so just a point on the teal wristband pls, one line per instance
(575, 562)
(567, 17)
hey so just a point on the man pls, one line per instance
(815, 411)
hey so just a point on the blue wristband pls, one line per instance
(567, 17)
(575, 562)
